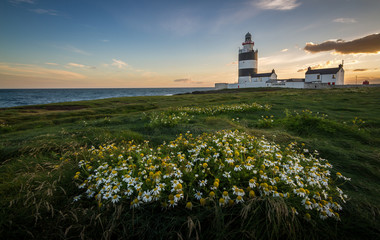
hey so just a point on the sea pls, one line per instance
(22, 97)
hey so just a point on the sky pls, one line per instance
(168, 43)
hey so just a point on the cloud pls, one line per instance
(80, 66)
(29, 70)
(21, 1)
(281, 5)
(187, 80)
(182, 80)
(345, 20)
(232, 63)
(360, 70)
(118, 63)
(317, 66)
(76, 65)
(284, 50)
(367, 44)
(51, 12)
(75, 50)
(52, 64)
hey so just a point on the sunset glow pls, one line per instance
(145, 44)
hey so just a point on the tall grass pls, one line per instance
(36, 174)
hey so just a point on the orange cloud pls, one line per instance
(118, 63)
(317, 66)
(80, 65)
(27, 70)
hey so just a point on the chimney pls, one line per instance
(309, 68)
(272, 70)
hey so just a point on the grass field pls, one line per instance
(41, 146)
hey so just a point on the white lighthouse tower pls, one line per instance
(247, 60)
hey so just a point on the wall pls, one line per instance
(295, 84)
(255, 84)
(244, 79)
(312, 78)
(340, 77)
(219, 86)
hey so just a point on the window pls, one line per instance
(333, 76)
(318, 76)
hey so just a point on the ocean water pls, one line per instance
(22, 97)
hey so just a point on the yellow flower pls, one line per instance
(189, 205)
(307, 216)
(237, 153)
(202, 201)
(212, 194)
(204, 165)
(252, 194)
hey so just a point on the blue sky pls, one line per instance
(178, 43)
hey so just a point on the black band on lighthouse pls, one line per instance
(246, 72)
(247, 56)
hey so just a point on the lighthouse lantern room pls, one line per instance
(247, 60)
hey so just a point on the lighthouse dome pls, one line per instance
(248, 37)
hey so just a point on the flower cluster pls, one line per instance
(175, 116)
(306, 113)
(217, 109)
(357, 122)
(266, 121)
(226, 167)
(167, 118)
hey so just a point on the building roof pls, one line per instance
(262, 74)
(323, 71)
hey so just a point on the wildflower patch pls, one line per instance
(224, 168)
(217, 109)
(174, 116)
(167, 119)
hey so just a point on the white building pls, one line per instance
(249, 78)
(331, 76)
(263, 77)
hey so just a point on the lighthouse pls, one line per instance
(247, 60)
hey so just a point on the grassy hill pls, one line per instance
(41, 146)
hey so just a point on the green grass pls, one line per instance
(36, 177)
